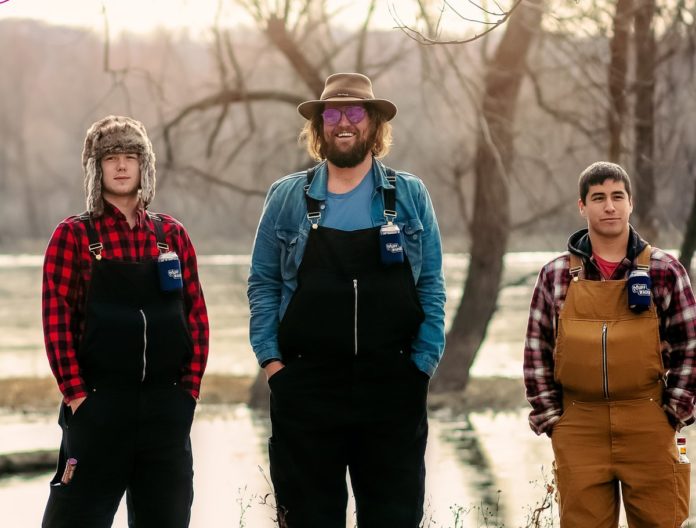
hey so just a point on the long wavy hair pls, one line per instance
(312, 135)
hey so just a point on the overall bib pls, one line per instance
(349, 396)
(613, 429)
(132, 431)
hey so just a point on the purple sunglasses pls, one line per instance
(354, 114)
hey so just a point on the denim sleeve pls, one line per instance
(264, 286)
(429, 345)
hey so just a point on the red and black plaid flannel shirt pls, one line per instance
(676, 310)
(66, 276)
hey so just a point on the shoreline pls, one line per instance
(491, 393)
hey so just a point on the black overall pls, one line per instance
(349, 396)
(132, 431)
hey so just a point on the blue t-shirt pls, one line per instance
(350, 211)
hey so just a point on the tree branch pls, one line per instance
(224, 97)
(429, 41)
(204, 175)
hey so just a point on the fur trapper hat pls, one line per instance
(116, 135)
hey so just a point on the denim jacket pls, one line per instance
(280, 243)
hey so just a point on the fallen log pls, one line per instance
(27, 461)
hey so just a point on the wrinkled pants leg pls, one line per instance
(308, 447)
(587, 486)
(387, 466)
(654, 486)
(99, 437)
(160, 492)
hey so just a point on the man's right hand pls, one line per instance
(75, 404)
(272, 368)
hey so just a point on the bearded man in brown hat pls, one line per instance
(347, 319)
(126, 334)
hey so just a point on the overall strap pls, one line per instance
(159, 232)
(313, 205)
(643, 259)
(389, 196)
(576, 266)
(95, 246)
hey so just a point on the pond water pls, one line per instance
(468, 461)
(484, 469)
(224, 283)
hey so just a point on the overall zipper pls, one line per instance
(355, 315)
(144, 344)
(605, 373)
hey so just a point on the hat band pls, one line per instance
(343, 94)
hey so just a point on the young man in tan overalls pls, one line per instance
(610, 368)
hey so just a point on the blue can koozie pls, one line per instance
(639, 290)
(169, 271)
(390, 244)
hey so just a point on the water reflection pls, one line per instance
(468, 450)
(231, 470)
(484, 469)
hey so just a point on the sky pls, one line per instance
(197, 16)
(144, 15)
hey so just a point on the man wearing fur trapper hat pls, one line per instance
(347, 319)
(126, 332)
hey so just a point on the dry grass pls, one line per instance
(499, 394)
(19, 394)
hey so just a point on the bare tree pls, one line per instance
(644, 114)
(630, 94)
(688, 246)
(618, 70)
(301, 33)
(490, 225)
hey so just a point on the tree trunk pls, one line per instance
(278, 34)
(490, 225)
(618, 67)
(644, 157)
(689, 243)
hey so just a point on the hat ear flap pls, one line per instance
(93, 187)
(147, 178)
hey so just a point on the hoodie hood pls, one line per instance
(580, 244)
(115, 135)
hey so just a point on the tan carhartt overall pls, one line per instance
(613, 429)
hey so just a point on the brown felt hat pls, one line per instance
(347, 88)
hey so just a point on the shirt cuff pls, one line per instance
(267, 362)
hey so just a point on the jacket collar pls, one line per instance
(580, 244)
(318, 188)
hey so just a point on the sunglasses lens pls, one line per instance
(331, 116)
(355, 114)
